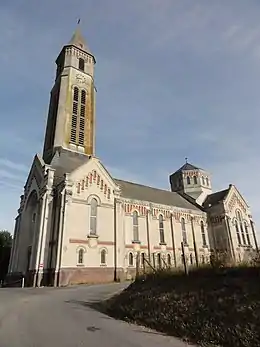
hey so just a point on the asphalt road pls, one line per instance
(64, 317)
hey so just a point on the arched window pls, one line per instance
(131, 259)
(82, 117)
(81, 64)
(247, 234)
(238, 233)
(191, 259)
(81, 256)
(184, 233)
(207, 181)
(161, 229)
(76, 94)
(78, 117)
(203, 235)
(243, 233)
(195, 181)
(103, 256)
(169, 260)
(93, 216)
(203, 259)
(74, 117)
(135, 226)
(239, 217)
(188, 180)
(203, 180)
(159, 259)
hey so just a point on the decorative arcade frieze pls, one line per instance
(143, 209)
(93, 178)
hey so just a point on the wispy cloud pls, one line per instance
(13, 165)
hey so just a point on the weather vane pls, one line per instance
(78, 20)
(186, 159)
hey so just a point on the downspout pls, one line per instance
(173, 242)
(61, 237)
(115, 241)
(194, 241)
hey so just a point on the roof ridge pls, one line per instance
(143, 185)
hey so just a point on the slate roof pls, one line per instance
(136, 191)
(79, 41)
(215, 198)
(188, 166)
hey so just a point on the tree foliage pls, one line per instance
(5, 251)
(5, 239)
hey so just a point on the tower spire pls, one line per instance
(78, 40)
(71, 119)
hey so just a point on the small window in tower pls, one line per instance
(195, 180)
(188, 180)
(81, 64)
(203, 180)
(207, 181)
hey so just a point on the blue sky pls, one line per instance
(175, 79)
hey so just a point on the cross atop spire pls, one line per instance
(186, 160)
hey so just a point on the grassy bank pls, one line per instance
(209, 307)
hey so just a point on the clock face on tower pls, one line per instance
(81, 79)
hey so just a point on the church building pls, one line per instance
(78, 224)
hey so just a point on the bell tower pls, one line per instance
(193, 181)
(71, 118)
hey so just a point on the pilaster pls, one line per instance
(46, 199)
(15, 256)
(230, 239)
(66, 197)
